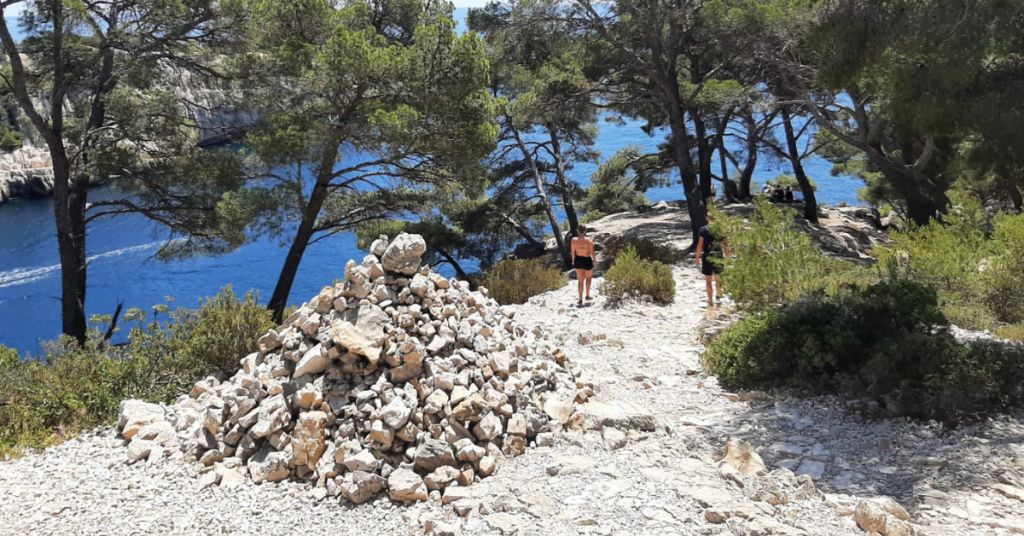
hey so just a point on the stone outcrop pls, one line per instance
(381, 382)
(215, 113)
(25, 172)
(846, 233)
(741, 456)
(218, 114)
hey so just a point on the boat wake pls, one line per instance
(22, 276)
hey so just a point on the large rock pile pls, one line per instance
(395, 379)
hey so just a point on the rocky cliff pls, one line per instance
(24, 172)
(214, 113)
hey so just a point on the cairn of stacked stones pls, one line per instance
(395, 379)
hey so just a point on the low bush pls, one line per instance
(517, 280)
(592, 216)
(789, 180)
(11, 140)
(648, 250)
(72, 387)
(633, 276)
(886, 341)
(973, 259)
(218, 334)
(618, 185)
(1013, 332)
(773, 262)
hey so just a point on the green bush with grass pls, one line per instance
(774, 263)
(783, 181)
(517, 280)
(648, 250)
(11, 140)
(973, 259)
(592, 216)
(70, 387)
(886, 341)
(618, 185)
(633, 276)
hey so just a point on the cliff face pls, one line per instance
(24, 172)
(28, 171)
(218, 114)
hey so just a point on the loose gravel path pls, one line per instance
(628, 481)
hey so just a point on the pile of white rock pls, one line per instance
(395, 379)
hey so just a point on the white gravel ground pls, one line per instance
(661, 482)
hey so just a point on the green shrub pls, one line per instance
(71, 387)
(790, 180)
(618, 185)
(975, 262)
(885, 341)
(968, 315)
(517, 280)
(42, 401)
(222, 331)
(648, 250)
(11, 140)
(1014, 332)
(773, 262)
(632, 275)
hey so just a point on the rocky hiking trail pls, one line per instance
(646, 458)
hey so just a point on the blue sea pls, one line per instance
(122, 266)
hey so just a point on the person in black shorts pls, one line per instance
(711, 254)
(583, 259)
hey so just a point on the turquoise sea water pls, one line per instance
(122, 267)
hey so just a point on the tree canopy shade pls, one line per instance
(547, 115)
(103, 85)
(368, 109)
(675, 65)
(923, 79)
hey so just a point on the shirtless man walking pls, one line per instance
(583, 259)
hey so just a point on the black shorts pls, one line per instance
(711, 265)
(583, 263)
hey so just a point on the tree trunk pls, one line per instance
(283, 289)
(69, 213)
(924, 200)
(722, 160)
(681, 153)
(459, 272)
(728, 188)
(1007, 182)
(922, 206)
(542, 192)
(810, 200)
(704, 155)
(563, 182)
(747, 175)
(69, 197)
(1016, 198)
